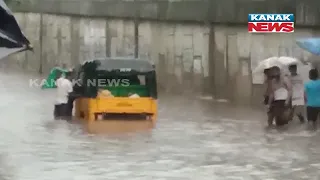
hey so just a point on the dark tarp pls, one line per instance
(12, 39)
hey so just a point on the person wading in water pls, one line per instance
(64, 87)
(312, 97)
(298, 103)
(279, 101)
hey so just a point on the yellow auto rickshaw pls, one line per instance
(114, 88)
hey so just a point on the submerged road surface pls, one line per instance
(193, 140)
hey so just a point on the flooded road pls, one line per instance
(193, 140)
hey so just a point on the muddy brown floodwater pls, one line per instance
(193, 139)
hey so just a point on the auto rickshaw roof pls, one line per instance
(117, 63)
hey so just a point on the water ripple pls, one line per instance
(192, 140)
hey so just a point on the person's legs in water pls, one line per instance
(288, 112)
(270, 118)
(271, 115)
(292, 113)
(312, 115)
(301, 118)
(286, 116)
(299, 111)
(281, 112)
(70, 107)
(64, 111)
(58, 111)
(266, 99)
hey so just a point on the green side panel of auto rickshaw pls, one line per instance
(123, 91)
(50, 81)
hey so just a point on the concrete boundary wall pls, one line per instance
(218, 11)
(190, 58)
(179, 51)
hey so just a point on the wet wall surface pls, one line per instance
(193, 139)
(221, 11)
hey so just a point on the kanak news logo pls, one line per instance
(270, 23)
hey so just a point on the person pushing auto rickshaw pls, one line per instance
(65, 96)
(64, 87)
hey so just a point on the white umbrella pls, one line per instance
(282, 62)
(268, 63)
(287, 61)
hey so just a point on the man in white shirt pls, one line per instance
(298, 102)
(64, 87)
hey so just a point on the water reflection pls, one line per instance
(6, 170)
(112, 127)
(192, 140)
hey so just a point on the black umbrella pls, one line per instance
(12, 39)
